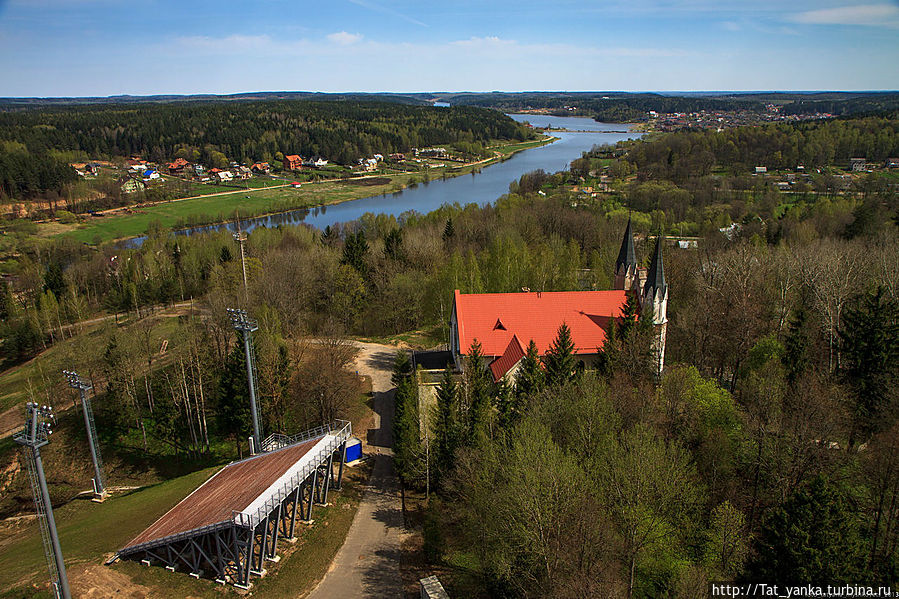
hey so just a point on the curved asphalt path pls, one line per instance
(368, 563)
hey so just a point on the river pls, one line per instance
(479, 188)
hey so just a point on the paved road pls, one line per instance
(368, 563)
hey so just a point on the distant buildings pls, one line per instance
(292, 162)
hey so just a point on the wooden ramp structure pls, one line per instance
(230, 525)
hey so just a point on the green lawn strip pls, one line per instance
(89, 531)
(218, 208)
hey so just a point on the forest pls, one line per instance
(36, 142)
(767, 450)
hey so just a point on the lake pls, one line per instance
(478, 188)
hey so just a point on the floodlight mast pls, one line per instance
(34, 436)
(83, 386)
(241, 322)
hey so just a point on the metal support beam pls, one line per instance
(342, 452)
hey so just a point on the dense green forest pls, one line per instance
(610, 108)
(617, 107)
(213, 132)
(692, 155)
(767, 451)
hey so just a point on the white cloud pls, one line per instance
(479, 42)
(731, 26)
(343, 38)
(884, 15)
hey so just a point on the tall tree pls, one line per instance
(447, 429)
(813, 536)
(559, 359)
(530, 378)
(870, 347)
(479, 392)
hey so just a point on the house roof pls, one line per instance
(503, 364)
(494, 318)
(292, 157)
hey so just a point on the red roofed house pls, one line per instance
(292, 162)
(505, 323)
(178, 165)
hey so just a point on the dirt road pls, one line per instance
(368, 563)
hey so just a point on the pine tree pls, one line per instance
(610, 354)
(480, 393)
(406, 430)
(355, 249)
(402, 367)
(530, 378)
(795, 358)
(446, 425)
(233, 415)
(813, 536)
(630, 315)
(449, 231)
(559, 360)
(869, 340)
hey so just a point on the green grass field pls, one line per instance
(220, 208)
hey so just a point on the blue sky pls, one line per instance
(109, 47)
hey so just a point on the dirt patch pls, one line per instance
(368, 181)
(8, 474)
(95, 581)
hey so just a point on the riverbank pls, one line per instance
(221, 207)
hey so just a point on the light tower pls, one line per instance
(83, 386)
(241, 322)
(240, 237)
(34, 436)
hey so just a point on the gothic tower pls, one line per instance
(626, 264)
(654, 296)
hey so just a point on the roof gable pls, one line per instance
(503, 364)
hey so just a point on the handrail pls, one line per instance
(340, 437)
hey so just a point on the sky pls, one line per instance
(140, 47)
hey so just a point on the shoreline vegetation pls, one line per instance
(122, 224)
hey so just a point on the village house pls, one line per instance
(150, 175)
(292, 162)
(178, 165)
(505, 323)
(131, 185)
(317, 162)
(224, 176)
(261, 168)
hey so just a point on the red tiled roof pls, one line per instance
(494, 318)
(503, 364)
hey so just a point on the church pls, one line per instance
(505, 323)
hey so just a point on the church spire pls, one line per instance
(627, 258)
(655, 278)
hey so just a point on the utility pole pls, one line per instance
(35, 435)
(83, 386)
(241, 322)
